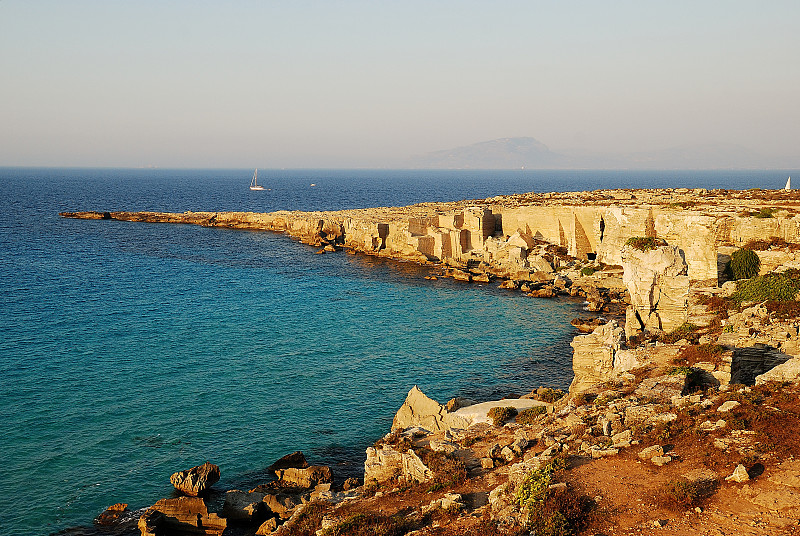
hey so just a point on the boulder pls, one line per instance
(196, 480)
(181, 515)
(295, 460)
(386, 463)
(243, 505)
(739, 475)
(112, 514)
(649, 453)
(267, 527)
(420, 410)
(727, 406)
(658, 286)
(593, 356)
(304, 478)
(454, 404)
(788, 371)
(662, 387)
(281, 504)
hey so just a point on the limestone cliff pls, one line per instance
(658, 286)
(501, 234)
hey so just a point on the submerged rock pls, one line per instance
(112, 514)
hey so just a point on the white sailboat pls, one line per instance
(788, 184)
(254, 183)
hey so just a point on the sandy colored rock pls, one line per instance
(294, 460)
(196, 480)
(739, 474)
(112, 514)
(658, 286)
(182, 515)
(593, 356)
(387, 463)
(307, 477)
(420, 410)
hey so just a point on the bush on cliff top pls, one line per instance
(773, 287)
(645, 243)
(528, 416)
(499, 415)
(745, 264)
(684, 331)
(553, 512)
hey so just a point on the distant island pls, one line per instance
(530, 153)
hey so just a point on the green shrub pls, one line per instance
(770, 287)
(499, 415)
(528, 416)
(681, 332)
(370, 524)
(448, 471)
(682, 493)
(745, 264)
(765, 212)
(588, 270)
(552, 512)
(645, 243)
(548, 395)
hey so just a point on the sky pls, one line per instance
(308, 84)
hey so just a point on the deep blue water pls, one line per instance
(129, 351)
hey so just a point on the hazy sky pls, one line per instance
(192, 83)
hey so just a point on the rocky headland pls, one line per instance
(683, 414)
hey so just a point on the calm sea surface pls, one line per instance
(129, 351)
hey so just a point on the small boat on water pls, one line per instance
(788, 184)
(254, 183)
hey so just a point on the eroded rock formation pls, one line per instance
(196, 480)
(182, 515)
(420, 410)
(593, 356)
(658, 286)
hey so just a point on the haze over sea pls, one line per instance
(129, 351)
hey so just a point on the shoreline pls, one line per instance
(427, 233)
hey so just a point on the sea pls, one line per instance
(129, 351)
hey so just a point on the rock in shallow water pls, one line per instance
(182, 515)
(194, 481)
(295, 460)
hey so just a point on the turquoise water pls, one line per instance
(129, 351)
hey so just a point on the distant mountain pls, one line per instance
(505, 153)
(516, 153)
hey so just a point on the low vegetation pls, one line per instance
(559, 511)
(645, 243)
(448, 471)
(702, 353)
(745, 264)
(500, 415)
(684, 331)
(370, 524)
(528, 416)
(548, 394)
(684, 494)
(770, 287)
(772, 243)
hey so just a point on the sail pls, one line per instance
(254, 183)
(788, 184)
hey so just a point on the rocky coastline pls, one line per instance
(682, 415)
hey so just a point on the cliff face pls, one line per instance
(502, 233)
